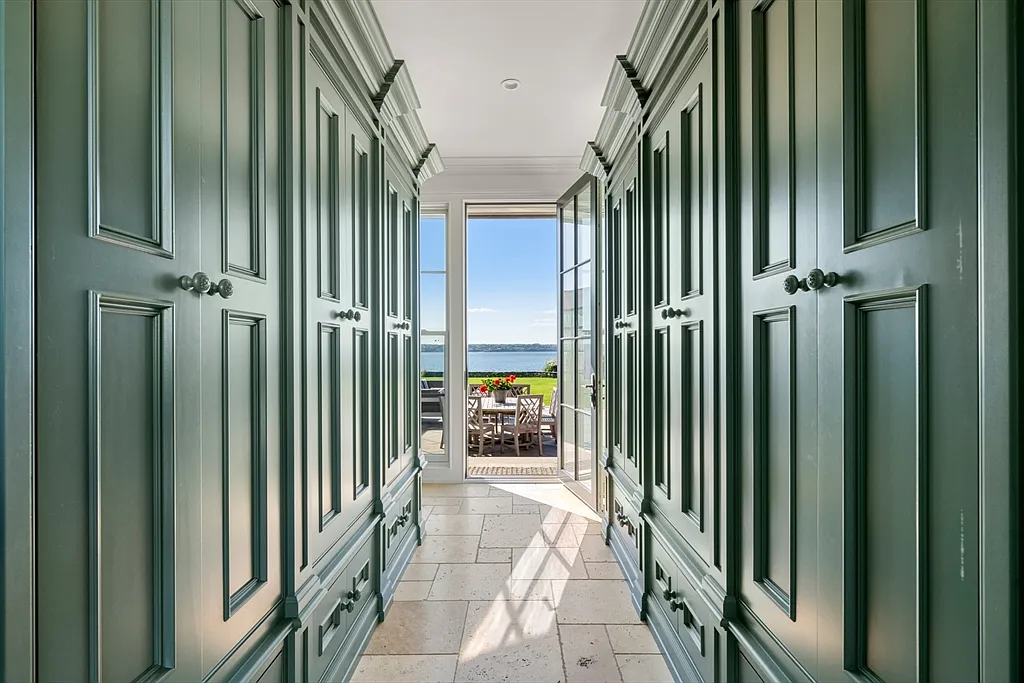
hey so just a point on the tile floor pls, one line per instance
(513, 583)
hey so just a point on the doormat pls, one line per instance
(512, 470)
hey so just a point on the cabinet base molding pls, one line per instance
(344, 664)
(683, 669)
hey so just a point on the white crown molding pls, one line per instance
(499, 166)
(430, 164)
(385, 79)
(633, 74)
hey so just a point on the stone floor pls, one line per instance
(513, 583)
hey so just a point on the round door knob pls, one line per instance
(354, 595)
(348, 606)
(225, 288)
(666, 313)
(355, 315)
(668, 594)
(817, 278)
(200, 282)
(792, 284)
(676, 605)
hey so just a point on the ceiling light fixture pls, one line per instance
(510, 84)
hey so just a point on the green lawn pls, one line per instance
(538, 385)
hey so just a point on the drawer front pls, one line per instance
(336, 614)
(685, 609)
(625, 521)
(400, 520)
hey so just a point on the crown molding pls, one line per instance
(496, 166)
(430, 164)
(594, 161)
(629, 87)
(385, 80)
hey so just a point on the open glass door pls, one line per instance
(578, 351)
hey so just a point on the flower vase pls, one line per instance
(500, 395)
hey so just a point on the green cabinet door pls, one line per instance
(681, 298)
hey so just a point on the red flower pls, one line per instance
(483, 388)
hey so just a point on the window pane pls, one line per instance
(584, 441)
(569, 304)
(432, 304)
(567, 440)
(567, 372)
(432, 406)
(584, 368)
(568, 235)
(583, 298)
(432, 229)
(584, 225)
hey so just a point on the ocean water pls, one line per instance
(492, 361)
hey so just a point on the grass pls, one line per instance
(538, 385)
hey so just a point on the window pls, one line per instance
(433, 333)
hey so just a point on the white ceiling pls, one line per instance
(459, 51)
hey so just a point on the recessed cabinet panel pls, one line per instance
(693, 445)
(361, 228)
(245, 456)
(133, 465)
(665, 434)
(130, 151)
(660, 223)
(361, 408)
(887, 486)
(242, 64)
(327, 199)
(693, 147)
(329, 380)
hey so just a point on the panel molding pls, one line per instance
(257, 268)
(762, 265)
(329, 454)
(856, 234)
(692, 194)
(854, 497)
(786, 601)
(161, 197)
(327, 236)
(164, 547)
(257, 324)
(693, 506)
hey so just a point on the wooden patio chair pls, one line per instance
(527, 421)
(550, 419)
(479, 428)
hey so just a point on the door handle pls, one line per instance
(675, 313)
(350, 314)
(199, 283)
(225, 288)
(792, 285)
(817, 278)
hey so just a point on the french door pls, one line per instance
(578, 343)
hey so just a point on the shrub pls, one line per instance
(551, 366)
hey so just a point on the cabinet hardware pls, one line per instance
(225, 288)
(348, 605)
(668, 594)
(817, 278)
(403, 519)
(676, 605)
(670, 312)
(792, 285)
(350, 314)
(199, 283)
(354, 595)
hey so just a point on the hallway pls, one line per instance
(512, 583)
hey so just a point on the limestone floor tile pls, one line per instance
(420, 628)
(471, 582)
(455, 525)
(511, 641)
(560, 515)
(643, 669)
(436, 549)
(604, 570)
(433, 500)
(457, 490)
(420, 572)
(494, 555)
(438, 510)
(632, 640)
(593, 602)
(425, 511)
(394, 668)
(587, 655)
(588, 529)
(526, 509)
(412, 591)
(522, 531)
(486, 506)
(500, 492)
(593, 549)
(530, 589)
(547, 563)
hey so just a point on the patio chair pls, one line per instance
(520, 389)
(527, 421)
(550, 419)
(478, 427)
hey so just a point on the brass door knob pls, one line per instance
(200, 282)
(225, 288)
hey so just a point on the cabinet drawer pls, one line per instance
(685, 610)
(625, 522)
(400, 519)
(350, 593)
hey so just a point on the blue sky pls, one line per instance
(511, 279)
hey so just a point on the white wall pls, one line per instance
(479, 181)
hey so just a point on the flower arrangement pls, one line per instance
(497, 384)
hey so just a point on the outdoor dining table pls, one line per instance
(491, 407)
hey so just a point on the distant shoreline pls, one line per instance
(498, 348)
